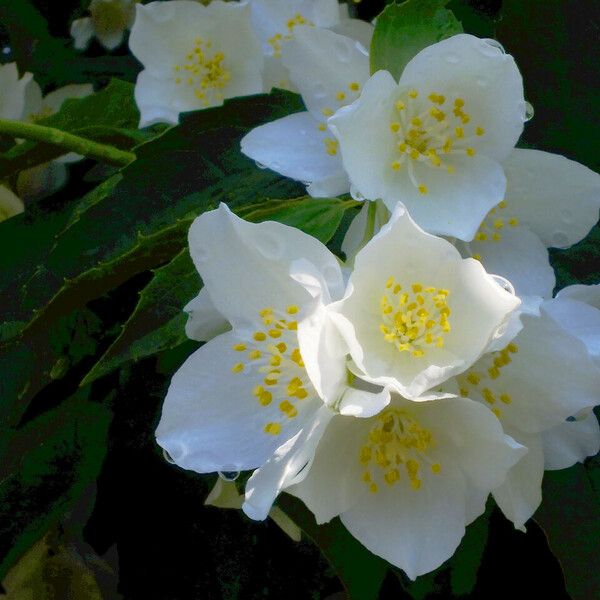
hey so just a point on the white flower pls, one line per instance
(536, 382)
(329, 70)
(10, 204)
(108, 22)
(12, 92)
(247, 391)
(406, 481)
(416, 313)
(194, 56)
(550, 201)
(435, 140)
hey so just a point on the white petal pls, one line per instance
(275, 75)
(571, 442)
(289, 464)
(520, 495)
(555, 197)
(362, 129)
(590, 294)
(295, 147)
(325, 85)
(549, 378)
(578, 319)
(455, 204)
(488, 80)
(521, 257)
(246, 266)
(362, 403)
(404, 252)
(157, 100)
(416, 531)
(110, 39)
(33, 99)
(53, 101)
(357, 29)
(204, 320)
(330, 187)
(210, 419)
(13, 92)
(82, 31)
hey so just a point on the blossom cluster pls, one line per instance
(433, 367)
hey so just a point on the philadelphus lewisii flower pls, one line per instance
(329, 70)
(550, 201)
(533, 384)
(194, 56)
(435, 139)
(108, 22)
(415, 312)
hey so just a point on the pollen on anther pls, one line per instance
(259, 336)
(273, 428)
(239, 347)
(479, 131)
(237, 368)
(436, 468)
(422, 189)
(354, 86)
(340, 96)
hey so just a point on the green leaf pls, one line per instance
(158, 322)
(403, 30)
(53, 459)
(570, 517)
(361, 572)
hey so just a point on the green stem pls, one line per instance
(67, 141)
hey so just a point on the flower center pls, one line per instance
(205, 72)
(397, 441)
(415, 317)
(273, 351)
(476, 383)
(425, 133)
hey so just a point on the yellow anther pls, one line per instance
(479, 131)
(481, 236)
(395, 127)
(322, 127)
(273, 428)
(414, 154)
(340, 96)
(497, 412)
(417, 287)
(275, 333)
(477, 257)
(237, 368)
(459, 131)
(259, 336)
(373, 488)
(459, 103)
(392, 476)
(413, 93)
(396, 165)
(254, 354)
(292, 309)
(464, 392)
(498, 223)
(416, 122)
(265, 398)
(496, 237)
(288, 409)
(502, 204)
(400, 105)
(275, 361)
(331, 146)
(292, 325)
(450, 170)
(470, 151)
(422, 189)
(327, 112)
(436, 468)
(473, 378)
(506, 398)
(512, 348)
(281, 347)
(239, 347)
(513, 221)
(354, 86)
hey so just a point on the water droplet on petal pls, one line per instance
(452, 59)
(168, 457)
(504, 283)
(260, 165)
(529, 111)
(560, 239)
(495, 44)
(356, 194)
(229, 475)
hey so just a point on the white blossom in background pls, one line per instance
(12, 92)
(194, 57)
(407, 481)
(550, 201)
(415, 313)
(108, 22)
(541, 385)
(44, 179)
(329, 71)
(435, 140)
